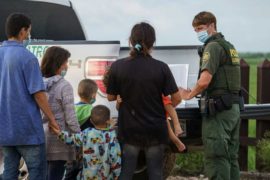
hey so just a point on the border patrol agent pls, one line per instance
(219, 86)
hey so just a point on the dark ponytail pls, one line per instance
(142, 39)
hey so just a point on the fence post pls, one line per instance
(263, 96)
(243, 149)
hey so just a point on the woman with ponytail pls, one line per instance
(141, 80)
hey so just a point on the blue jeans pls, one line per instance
(154, 161)
(34, 157)
(56, 170)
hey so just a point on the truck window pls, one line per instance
(51, 20)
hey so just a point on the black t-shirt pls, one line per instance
(140, 82)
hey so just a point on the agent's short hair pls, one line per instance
(15, 22)
(53, 59)
(204, 18)
(100, 114)
(86, 88)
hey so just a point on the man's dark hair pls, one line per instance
(100, 114)
(144, 35)
(52, 60)
(204, 18)
(15, 22)
(86, 88)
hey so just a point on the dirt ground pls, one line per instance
(243, 176)
(201, 177)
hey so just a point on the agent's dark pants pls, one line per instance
(34, 157)
(221, 143)
(154, 161)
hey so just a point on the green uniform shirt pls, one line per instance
(212, 56)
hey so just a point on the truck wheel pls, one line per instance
(168, 164)
(23, 174)
(23, 171)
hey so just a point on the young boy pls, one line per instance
(177, 128)
(87, 90)
(101, 150)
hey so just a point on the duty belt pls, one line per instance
(235, 98)
(211, 105)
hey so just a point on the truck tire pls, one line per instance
(23, 174)
(23, 171)
(168, 165)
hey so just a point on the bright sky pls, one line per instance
(243, 22)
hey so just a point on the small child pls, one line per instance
(101, 150)
(87, 90)
(177, 128)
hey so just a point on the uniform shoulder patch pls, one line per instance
(234, 56)
(206, 56)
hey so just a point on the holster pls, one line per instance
(241, 101)
(223, 102)
(210, 105)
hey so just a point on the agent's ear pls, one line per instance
(212, 26)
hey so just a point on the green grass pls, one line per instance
(252, 99)
(189, 164)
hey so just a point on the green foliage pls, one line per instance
(189, 164)
(264, 151)
(253, 62)
(248, 55)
